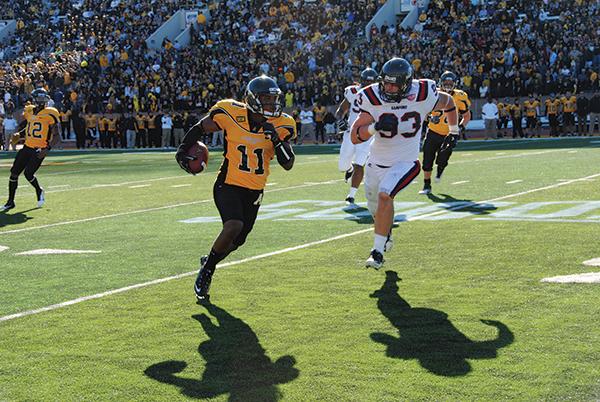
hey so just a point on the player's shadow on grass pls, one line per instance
(358, 214)
(428, 335)
(463, 205)
(8, 218)
(236, 363)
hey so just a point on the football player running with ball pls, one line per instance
(255, 130)
(42, 128)
(353, 156)
(392, 111)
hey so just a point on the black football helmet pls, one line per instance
(368, 76)
(395, 71)
(448, 81)
(263, 97)
(40, 97)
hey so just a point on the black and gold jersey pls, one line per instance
(247, 152)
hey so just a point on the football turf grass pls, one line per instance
(457, 313)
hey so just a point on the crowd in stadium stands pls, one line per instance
(92, 56)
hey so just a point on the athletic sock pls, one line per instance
(12, 190)
(427, 182)
(214, 258)
(36, 185)
(379, 243)
(352, 192)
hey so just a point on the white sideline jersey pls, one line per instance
(351, 95)
(401, 144)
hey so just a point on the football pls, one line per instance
(200, 152)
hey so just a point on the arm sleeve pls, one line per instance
(284, 153)
(194, 134)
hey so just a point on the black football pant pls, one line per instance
(26, 160)
(432, 152)
(237, 203)
(517, 128)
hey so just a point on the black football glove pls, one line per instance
(342, 125)
(387, 122)
(183, 159)
(271, 133)
(450, 142)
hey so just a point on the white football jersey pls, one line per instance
(351, 94)
(401, 144)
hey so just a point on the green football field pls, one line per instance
(458, 312)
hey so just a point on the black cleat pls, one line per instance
(350, 200)
(202, 284)
(7, 207)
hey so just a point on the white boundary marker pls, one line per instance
(594, 262)
(589, 277)
(260, 256)
(48, 251)
(141, 211)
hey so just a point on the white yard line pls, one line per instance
(509, 156)
(514, 181)
(460, 182)
(181, 185)
(141, 211)
(183, 176)
(60, 186)
(3, 248)
(125, 183)
(77, 171)
(142, 186)
(260, 256)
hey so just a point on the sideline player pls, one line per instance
(392, 111)
(255, 132)
(42, 132)
(438, 143)
(353, 156)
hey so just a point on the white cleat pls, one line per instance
(425, 191)
(389, 244)
(41, 199)
(375, 260)
(437, 179)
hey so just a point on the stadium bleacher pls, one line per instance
(92, 54)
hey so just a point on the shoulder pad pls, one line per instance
(370, 95)
(425, 88)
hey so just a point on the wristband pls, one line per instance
(454, 130)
